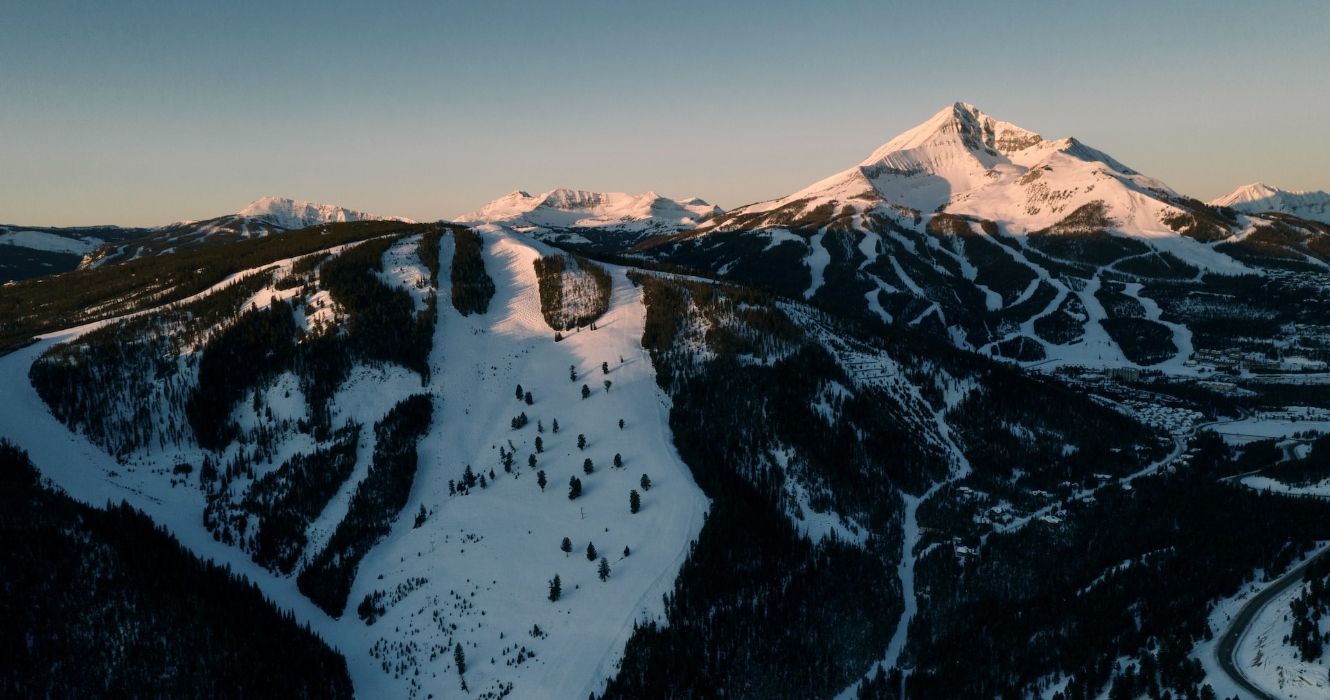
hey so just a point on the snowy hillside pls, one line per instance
(1258, 198)
(458, 566)
(577, 209)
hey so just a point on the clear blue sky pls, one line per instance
(148, 112)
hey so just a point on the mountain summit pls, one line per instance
(965, 162)
(1258, 198)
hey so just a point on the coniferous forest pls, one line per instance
(103, 603)
(374, 505)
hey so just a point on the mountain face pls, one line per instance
(282, 212)
(1037, 250)
(611, 219)
(1258, 198)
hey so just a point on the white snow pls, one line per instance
(49, 242)
(1274, 665)
(566, 208)
(485, 557)
(295, 213)
(1258, 197)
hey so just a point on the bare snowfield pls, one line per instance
(476, 571)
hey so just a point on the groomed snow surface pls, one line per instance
(486, 557)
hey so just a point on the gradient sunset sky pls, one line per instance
(142, 113)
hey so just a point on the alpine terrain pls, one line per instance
(986, 414)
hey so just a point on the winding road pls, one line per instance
(1227, 648)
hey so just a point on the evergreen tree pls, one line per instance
(646, 483)
(604, 570)
(618, 461)
(540, 479)
(566, 546)
(540, 444)
(634, 501)
(608, 383)
(620, 424)
(626, 551)
(572, 373)
(528, 398)
(555, 425)
(556, 589)
(421, 516)
(605, 367)
(586, 391)
(591, 552)
(519, 392)
(574, 488)
(531, 461)
(459, 658)
(540, 426)
(587, 466)
(581, 441)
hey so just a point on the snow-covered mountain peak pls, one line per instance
(1259, 197)
(571, 208)
(294, 213)
(956, 129)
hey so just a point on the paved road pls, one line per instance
(1228, 644)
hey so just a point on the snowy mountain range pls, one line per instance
(1258, 198)
(1000, 239)
(968, 398)
(580, 209)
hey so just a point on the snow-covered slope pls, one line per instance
(1004, 241)
(962, 161)
(475, 571)
(1258, 198)
(565, 208)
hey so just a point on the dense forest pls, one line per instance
(103, 603)
(574, 291)
(124, 386)
(471, 284)
(281, 504)
(766, 407)
(374, 505)
(1044, 602)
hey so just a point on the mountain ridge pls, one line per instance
(1258, 197)
(572, 208)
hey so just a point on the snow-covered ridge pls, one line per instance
(963, 161)
(294, 213)
(568, 208)
(1258, 198)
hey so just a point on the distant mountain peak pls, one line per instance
(295, 213)
(1258, 197)
(572, 208)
